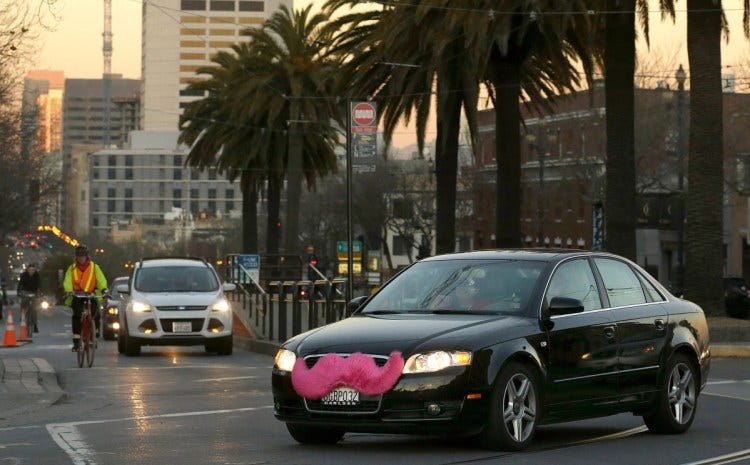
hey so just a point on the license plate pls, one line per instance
(341, 396)
(182, 327)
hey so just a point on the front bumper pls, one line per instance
(409, 407)
(178, 328)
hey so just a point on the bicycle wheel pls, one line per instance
(79, 353)
(91, 343)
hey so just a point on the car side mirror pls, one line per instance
(354, 304)
(564, 306)
(123, 288)
(228, 287)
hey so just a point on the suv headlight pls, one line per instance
(140, 307)
(221, 305)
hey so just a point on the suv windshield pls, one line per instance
(459, 286)
(176, 279)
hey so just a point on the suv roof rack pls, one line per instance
(172, 257)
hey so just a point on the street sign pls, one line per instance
(251, 265)
(364, 141)
(363, 114)
(342, 247)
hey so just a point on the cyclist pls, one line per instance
(29, 285)
(83, 276)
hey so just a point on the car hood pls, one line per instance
(382, 334)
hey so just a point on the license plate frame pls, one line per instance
(182, 327)
(341, 396)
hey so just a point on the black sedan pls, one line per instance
(495, 343)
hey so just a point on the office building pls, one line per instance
(180, 36)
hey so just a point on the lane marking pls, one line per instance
(68, 438)
(722, 459)
(180, 367)
(726, 396)
(618, 435)
(728, 381)
(210, 380)
(204, 380)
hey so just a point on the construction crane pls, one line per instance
(107, 81)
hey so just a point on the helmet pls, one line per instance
(82, 251)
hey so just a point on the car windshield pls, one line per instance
(496, 286)
(176, 279)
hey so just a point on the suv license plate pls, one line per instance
(341, 396)
(181, 327)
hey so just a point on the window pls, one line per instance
(402, 208)
(212, 173)
(111, 173)
(623, 287)
(177, 174)
(229, 193)
(111, 193)
(194, 194)
(128, 206)
(194, 206)
(575, 279)
(177, 161)
(128, 193)
(212, 193)
(230, 206)
(400, 245)
(111, 206)
(128, 173)
(222, 5)
(112, 160)
(651, 292)
(212, 205)
(128, 160)
(177, 193)
(192, 5)
(195, 174)
(251, 5)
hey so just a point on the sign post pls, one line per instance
(362, 123)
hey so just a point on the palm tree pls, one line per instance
(704, 231)
(293, 87)
(207, 128)
(453, 48)
(242, 125)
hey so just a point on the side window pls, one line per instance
(651, 292)
(575, 279)
(623, 287)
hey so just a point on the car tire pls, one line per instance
(225, 346)
(108, 334)
(677, 398)
(737, 311)
(304, 434)
(514, 409)
(121, 340)
(132, 348)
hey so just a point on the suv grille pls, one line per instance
(179, 308)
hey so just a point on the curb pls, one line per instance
(730, 350)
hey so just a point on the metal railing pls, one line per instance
(281, 310)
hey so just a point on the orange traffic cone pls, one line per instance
(24, 336)
(10, 332)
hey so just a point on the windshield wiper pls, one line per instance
(463, 312)
(382, 312)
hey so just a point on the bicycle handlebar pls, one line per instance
(81, 295)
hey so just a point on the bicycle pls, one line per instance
(87, 344)
(29, 304)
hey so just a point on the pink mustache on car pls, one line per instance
(357, 371)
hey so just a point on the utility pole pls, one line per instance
(107, 81)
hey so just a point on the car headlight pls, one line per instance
(429, 362)
(112, 310)
(140, 307)
(221, 305)
(285, 360)
(45, 305)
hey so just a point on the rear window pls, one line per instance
(176, 279)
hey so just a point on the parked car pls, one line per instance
(110, 314)
(736, 297)
(495, 343)
(175, 301)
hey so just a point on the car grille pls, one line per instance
(367, 404)
(311, 360)
(179, 308)
(196, 324)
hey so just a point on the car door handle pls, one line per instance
(659, 324)
(609, 332)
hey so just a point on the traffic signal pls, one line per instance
(312, 259)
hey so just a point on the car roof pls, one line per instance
(545, 255)
(120, 279)
(172, 261)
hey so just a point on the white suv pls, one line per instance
(175, 301)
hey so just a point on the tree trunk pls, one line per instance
(507, 75)
(273, 236)
(249, 216)
(293, 186)
(619, 67)
(704, 245)
(446, 170)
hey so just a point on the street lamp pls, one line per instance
(680, 76)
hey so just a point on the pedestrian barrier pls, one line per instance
(24, 333)
(286, 308)
(10, 332)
